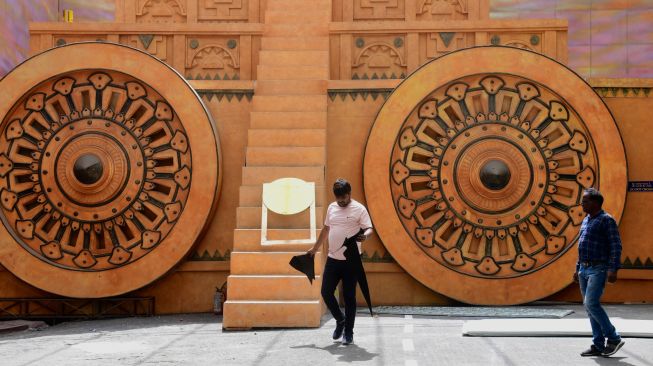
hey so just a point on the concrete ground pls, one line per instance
(385, 340)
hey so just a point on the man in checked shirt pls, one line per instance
(599, 253)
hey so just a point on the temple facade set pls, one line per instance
(133, 155)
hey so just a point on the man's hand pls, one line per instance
(361, 237)
(612, 276)
(576, 277)
(312, 251)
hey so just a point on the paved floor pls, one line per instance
(385, 340)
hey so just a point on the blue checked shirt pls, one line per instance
(599, 241)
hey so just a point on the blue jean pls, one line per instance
(592, 281)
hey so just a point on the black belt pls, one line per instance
(592, 263)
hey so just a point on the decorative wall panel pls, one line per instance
(485, 169)
(97, 171)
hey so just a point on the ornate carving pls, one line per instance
(493, 167)
(96, 170)
(212, 60)
(443, 42)
(379, 9)
(161, 11)
(223, 10)
(442, 10)
(379, 60)
(154, 45)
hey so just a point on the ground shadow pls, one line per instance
(349, 353)
(604, 361)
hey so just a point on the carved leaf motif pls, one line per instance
(52, 250)
(523, 263)
(578, 142)
(457, 91)
(424, 237)
(453, 256)
(64, 85)
(488, 266)
(399, 172)
(407, 139)
(429, 109)
(406, 207)
(100, 80)
(558, 112)
(527, 91)
(586, 177)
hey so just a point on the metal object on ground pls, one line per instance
(474, 172)
(98, 149)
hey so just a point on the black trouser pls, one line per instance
(334, 271)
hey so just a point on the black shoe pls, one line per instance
(347, 339)
(340, 327)
(592, 352)
(612, 347)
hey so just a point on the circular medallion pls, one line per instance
(97, 174)
(485, 164)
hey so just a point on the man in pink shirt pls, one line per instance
(344, 219)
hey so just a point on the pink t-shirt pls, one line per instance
(343, 223)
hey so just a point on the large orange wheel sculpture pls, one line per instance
(475, 167)
(109, 169)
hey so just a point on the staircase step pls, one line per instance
(268, 72)
(295, 43)
(287, 137)
(273, 287)
(289, 103)
(291, 87)
(293, 29)
(308, 7)
(268, 263)
(251, 195)
(257, 175)
(294, 16)
(271, 314)
(249, 240)
(250, 218)
(298, 58)
(292, 120)
(285, 156)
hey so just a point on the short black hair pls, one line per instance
(594, 195)
(341, 187)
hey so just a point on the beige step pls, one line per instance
(295, 43)
(271, 314)
(298, 58)
(285, 156)
(290, 87)
(290, 103)
(287, 137)
(250, 218)
(257, 175)
(293, 120)
(292, 16)
(308, 7)
(251, 195)
(249, 240)
(268, 72)
(269, 263)
(293, 29)
(273, 287)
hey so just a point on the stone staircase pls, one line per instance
(286, 138)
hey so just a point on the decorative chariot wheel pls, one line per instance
(482, 156)
(101, 191)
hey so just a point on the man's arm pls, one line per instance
(320, 240)
(614, 241)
